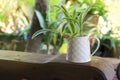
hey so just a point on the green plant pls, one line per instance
(111, 40)
(15, 19)
(79, 13)
(49, 26)
(98, 6)
(67, 22)
(74, 20)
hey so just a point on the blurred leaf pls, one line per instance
(43, 31)
(41, 19)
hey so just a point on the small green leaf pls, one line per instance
(73, 35)
(43, 31)
(40, 19)
(38, 33)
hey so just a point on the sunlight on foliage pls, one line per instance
(15, 20)
(31, 3)
(14, 16)
(52, 8)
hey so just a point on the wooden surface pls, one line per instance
(17, 65)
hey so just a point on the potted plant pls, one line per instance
(50, 27)
(79, 46)
(71, 24)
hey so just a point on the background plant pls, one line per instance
(99, 7)
(15, 20)
(15, 17)
(49, 26)
(109, 38)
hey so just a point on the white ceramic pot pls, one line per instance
(79, 50)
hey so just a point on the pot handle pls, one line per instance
(98, 45)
